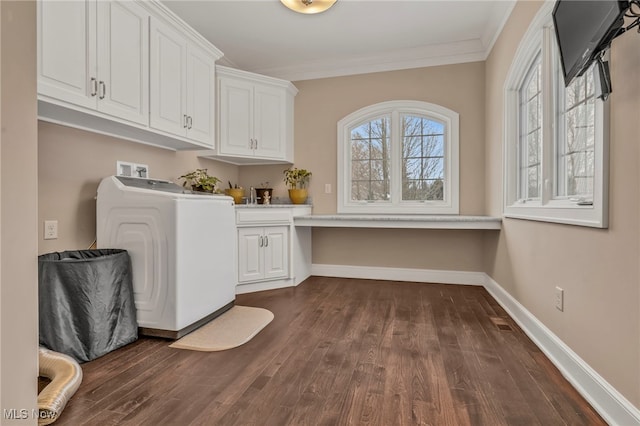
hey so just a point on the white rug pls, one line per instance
(233, 328)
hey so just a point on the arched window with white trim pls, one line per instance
(399, 157)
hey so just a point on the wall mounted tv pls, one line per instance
(584, 30)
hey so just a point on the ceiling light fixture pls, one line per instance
(308, 6)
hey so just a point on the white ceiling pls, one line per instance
(353, 37)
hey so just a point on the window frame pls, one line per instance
(540, 39)
(395, 109)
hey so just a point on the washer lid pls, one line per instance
(153, 184)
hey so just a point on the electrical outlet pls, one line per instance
(50, 229)
(559, 299)
(327, 188)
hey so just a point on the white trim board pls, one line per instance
(614, 408)
(399, 274)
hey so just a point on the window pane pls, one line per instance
(370, 160)
(422, 159)
(530, 143)
(575, 150)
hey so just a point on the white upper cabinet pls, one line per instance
(168, 79)
(255, 117)
(182, 86)
(66, 51)
(130, 69)
(123, 60)
(95, 55)
(270, 121)
(201, 102)
(235, 110)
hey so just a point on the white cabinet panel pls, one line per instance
(276, 252)
(236, 117)
(250, 256)
(263, 253)
(167, 79)
(123, 51)
(66, 51)
(200, 95)
(269, 122)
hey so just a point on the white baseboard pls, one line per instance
(614, 408)
(605, 399)
(262, 286)
(399, 274)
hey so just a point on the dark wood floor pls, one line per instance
(338, 352)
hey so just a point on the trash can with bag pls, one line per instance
(86, 302)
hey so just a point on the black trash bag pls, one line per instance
(86, 302)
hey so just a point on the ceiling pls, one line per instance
(353, 37)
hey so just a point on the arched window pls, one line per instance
(398, 157)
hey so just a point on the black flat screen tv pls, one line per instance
(584, 29)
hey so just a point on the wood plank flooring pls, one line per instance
(339, 352)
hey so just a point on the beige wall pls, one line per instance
(598, 269)
(71, 164)
(18, 214)
(449, 250)
(321, 103)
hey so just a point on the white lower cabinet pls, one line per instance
(263, 253)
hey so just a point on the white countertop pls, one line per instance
(400, 221)
(271, 206)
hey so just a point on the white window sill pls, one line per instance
(574, 214)
(399, 221)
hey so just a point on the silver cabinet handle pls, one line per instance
(190, 122)
(251, 143)
(94, 86)
(103, 89)
(185, 121)
(261, 241)
(266, 241)
(256, 147)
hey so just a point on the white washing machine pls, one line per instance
(182, 247)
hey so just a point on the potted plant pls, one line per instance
(200, 181)
(297, 179)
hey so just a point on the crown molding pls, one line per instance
(425, 56)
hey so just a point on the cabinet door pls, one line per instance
(250, 256)
(123, 60)
(167, 79)
(66, 51)
(200, 95)
(276, 252)
(236, 117)
(269, 122)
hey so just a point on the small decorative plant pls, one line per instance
(296, 178)
(200, 180)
